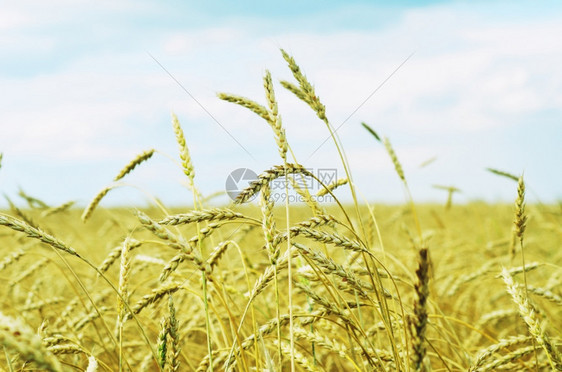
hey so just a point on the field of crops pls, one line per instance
(273, 286)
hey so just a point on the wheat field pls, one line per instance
(274, 286)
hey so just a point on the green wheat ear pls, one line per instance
(372, 131)
(503, 174)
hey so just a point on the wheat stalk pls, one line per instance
(529, 314)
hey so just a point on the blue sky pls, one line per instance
(81, 95)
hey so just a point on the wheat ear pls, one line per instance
(11, 258)
(394, 158)
(19, 213)
(133, 163)
(217, 253)
(491, 350)
(520, 220)
(173, 332)
(94, 203)
(186, 162)
(162, 344)
(331, 187)
(372, 131)
(115, 253)
(36, 233)
(163, 233)
(155, 296)
(124, 271)
(214, 214)
(18, 336)
(274, 117)
(251, 105)
(268, 176)
(503, 174)
(419, 321)
(514, 355)
(268, 224)
(529, 314)
(300, 359)
(61, 208)
(305, 91)
(32, 201)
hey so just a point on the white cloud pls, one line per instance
(188, 41)
(12, 19)
(468, 76)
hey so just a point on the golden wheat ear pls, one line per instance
(185, 157)
(144, 156)
(95, 202)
